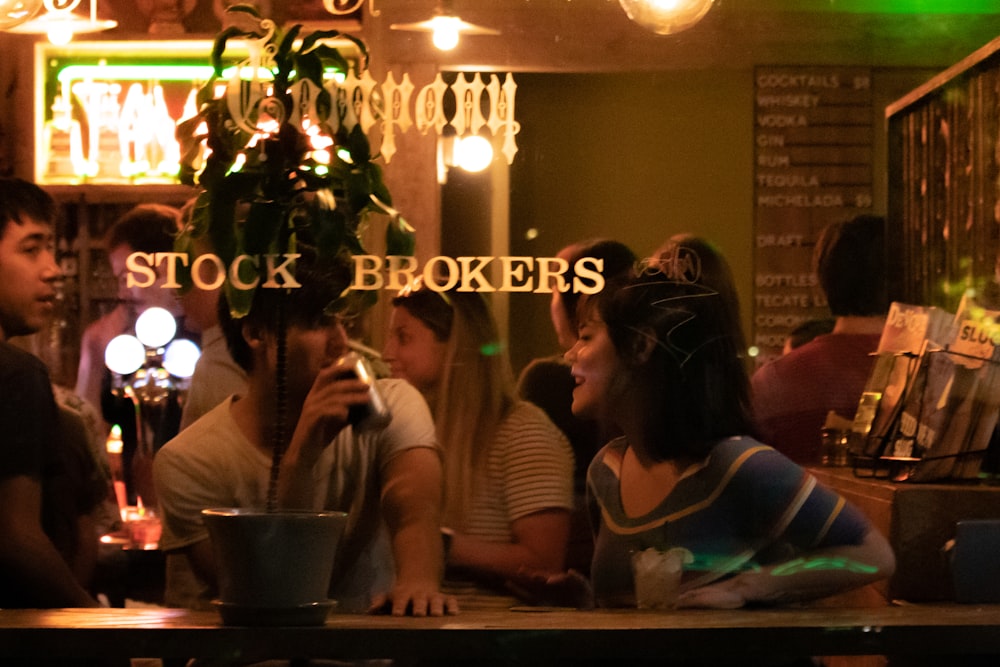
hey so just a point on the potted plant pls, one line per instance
(276, 156)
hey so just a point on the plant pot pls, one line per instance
(274, 568)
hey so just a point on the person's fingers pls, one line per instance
(379, 605)
(437, 606)
(419, 604)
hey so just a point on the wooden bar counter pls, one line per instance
(918, 519)
(933, 629)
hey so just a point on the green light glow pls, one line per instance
(241, 159)
(704, 562)
(160, 72)
(822, 563)
(879, 7)
(135, 72)
(491, 349)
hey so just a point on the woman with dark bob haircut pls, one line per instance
(662, 355)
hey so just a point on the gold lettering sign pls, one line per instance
(539, 275)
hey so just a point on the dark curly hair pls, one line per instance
(850, 263)
(148, 228)
(697, 387)
(618, 260)
(323, 283)
(20, 199)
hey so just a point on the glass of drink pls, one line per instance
(657, 575)
(835, 445)
(144, 531)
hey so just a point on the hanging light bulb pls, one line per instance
(60, 23)
(124, 354)
(15, 12)
(473, 153)
(59, 33)
(180, 357)
(445, 28)
(155, 327)
(666, 17)
(445, 32)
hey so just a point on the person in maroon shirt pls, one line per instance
(793, 394)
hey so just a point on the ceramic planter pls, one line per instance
(274, 568)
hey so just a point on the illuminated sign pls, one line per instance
(108, 111)
(517, 274)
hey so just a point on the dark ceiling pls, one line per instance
(596, 35)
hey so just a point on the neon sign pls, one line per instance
(111, 109)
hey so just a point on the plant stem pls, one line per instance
(281, 405)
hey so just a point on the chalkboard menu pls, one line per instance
(813, 139)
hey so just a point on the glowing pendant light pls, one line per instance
(445, 28)
(60, 23)
(15, 12)
(666, 17)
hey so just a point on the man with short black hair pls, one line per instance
(388, 480)
(47, 544)
(793, 394)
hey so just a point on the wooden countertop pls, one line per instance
(918, 519)
(912, 629)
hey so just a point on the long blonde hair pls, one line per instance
(476, 389)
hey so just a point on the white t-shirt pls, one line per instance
(216, 377)
(211, 464)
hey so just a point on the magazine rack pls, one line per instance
(944, 423)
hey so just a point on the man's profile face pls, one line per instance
(311, 349)
(28, 272)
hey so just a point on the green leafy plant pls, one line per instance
(265, 178)
(275, 157)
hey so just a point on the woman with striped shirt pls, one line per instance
(508, 469)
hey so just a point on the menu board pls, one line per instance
(813, 137)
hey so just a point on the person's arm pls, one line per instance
(85, 562)
(539, 544)
(90, 371)
(536, 475)
(27, 551)
(185, 485)
(411, 501)
(324, 414)
(202, 559)
(815, 575)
